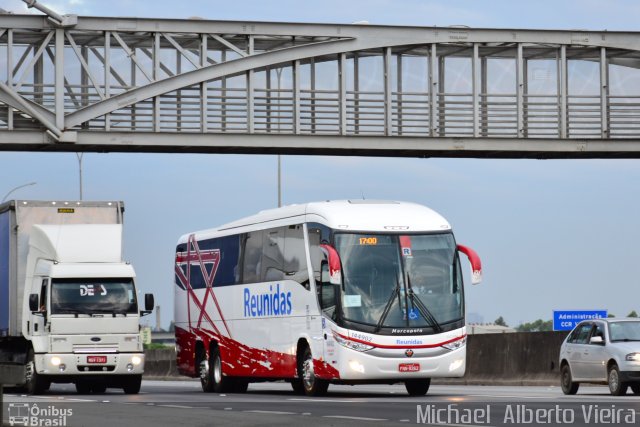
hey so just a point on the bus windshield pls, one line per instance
(93, 296)
(400, 280)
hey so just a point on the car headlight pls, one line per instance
(353, 345)
(456, 344)
(633, 357)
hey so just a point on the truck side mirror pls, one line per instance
(148, 302)
(34, 303)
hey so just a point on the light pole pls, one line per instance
(79, 155)
(279, 73)
(17, 188)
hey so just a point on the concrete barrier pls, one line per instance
(160, 363)
(521, 358)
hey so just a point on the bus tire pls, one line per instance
(312, 385)
(297, 386)
(221, 384)
(240, 385)
(417, 387)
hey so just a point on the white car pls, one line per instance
(602, 351)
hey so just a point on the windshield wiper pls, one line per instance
(625, 340)
(387, 308)
(70, 311)
(415, 300)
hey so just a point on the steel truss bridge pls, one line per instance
(80, 84)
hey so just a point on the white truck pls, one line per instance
(68, 302)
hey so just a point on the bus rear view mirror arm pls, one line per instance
(476, 264)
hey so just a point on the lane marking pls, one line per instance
(272, 412)
(71, 399)
(228, 409)
(346, 417)
(326, 400)
(176, 406)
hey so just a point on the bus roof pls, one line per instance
(354, 215)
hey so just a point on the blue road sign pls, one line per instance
(567, 320)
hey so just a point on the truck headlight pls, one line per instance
(353, 345)
(633, 357)
(454, 345)
(136, 360)
(55, 361)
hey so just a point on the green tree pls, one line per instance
(632, 314)
(500, 322)
(536, 326)
(610, 315)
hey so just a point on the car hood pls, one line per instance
(628, 347)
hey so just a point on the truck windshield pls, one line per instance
(91, 296)
(400, 281)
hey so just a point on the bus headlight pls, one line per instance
(454, 345)
(55, 361)
(353, 345)
(136, 360)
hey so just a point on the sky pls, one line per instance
(552, 234)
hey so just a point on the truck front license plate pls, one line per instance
(409, 367)
(96, 359)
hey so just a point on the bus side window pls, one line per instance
(252, 255)
(327, 290)
(295, 256)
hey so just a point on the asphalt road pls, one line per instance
(182, 403)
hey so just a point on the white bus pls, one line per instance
(343, 292)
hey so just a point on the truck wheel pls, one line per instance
(98, 388)
(616, 386)
(312, 385)
(566, 381)
(417, 387)
(34, 383)
(132, 385)
(83, 387)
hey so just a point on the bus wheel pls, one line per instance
(221, 384)
(417, 387)
(206, 380)
(312, 385)
(297, 386)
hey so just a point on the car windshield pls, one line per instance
(400, 281)
(624, 331)
(91, 296)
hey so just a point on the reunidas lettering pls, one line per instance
(273, 303)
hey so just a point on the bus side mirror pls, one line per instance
(476, 265)
(333, 261)
(34, 303)
(148, 304)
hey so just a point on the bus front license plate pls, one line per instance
(96, 359)
(409, 367)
